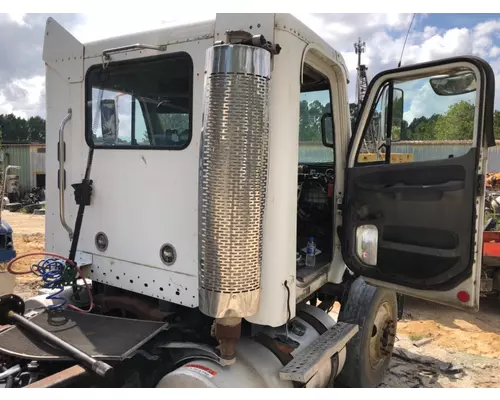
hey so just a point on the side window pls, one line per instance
(144, 103)
(315, 122)
(424, 119)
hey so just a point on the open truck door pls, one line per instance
(416, 227)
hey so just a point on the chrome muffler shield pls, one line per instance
(233, 179)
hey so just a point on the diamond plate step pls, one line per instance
(303, 367)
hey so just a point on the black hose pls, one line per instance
(288, 301)
(81, 208)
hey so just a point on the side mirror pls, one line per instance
(453, 85)
(327, 130)
(109, 120)
(397, 114)
(396, 122)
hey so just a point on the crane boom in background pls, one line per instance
(371, 139)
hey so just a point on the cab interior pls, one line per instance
(316, 172)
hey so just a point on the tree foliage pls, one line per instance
(20, 130)
(310, 120)
(455, 124)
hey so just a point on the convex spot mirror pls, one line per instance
(327, 130)
(453, 85)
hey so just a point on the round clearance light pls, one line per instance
(101, 241)
(168, 254)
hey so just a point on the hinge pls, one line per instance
(340, 203)
(480, 184)
(246, 38)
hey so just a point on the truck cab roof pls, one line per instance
(206, 30)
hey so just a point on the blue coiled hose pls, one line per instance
(51, 271)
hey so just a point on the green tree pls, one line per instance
(421, 128)
(19, 130)
(496, 124)
(310, 120)
(457, 123)
(36, 129)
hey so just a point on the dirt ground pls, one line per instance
(463, 348)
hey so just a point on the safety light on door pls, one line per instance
(367, 244)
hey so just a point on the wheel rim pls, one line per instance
(382, 336)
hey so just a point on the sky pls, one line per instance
(433, 36)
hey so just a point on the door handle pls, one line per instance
(449, 186)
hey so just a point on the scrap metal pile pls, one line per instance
(492, 202)
(32, 201)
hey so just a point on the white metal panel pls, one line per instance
(61, 95)
(62, 52)
(153, 282)
(280, 217)
(143, 199)
(289, 23)
(257, 24)
(63, 90)
(165, 36)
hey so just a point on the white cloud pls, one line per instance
(17, 17)
(24, 97)
(384, 35)
(422, 101)
(100, 26)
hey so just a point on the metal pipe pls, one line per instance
(99, 367)
(5, 184)
(11, 371)
(106, 53)
(62, 156)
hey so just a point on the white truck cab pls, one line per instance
(207, 157)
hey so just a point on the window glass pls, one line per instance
(313, 105)
(143, 103)
(432, 118)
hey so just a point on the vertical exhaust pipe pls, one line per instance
(233, 179)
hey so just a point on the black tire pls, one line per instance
(366, 361)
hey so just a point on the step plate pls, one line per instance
(303, 367)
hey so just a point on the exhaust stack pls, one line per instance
(233, 179)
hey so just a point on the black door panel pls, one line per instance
(424, 213)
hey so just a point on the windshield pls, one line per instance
(312, 107)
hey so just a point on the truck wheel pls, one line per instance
(369, 353)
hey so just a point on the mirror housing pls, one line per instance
(396, 122)
(109, 120)
(327, 130)
(454, 85)
(397, 114)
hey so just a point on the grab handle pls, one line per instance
(62, 157)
